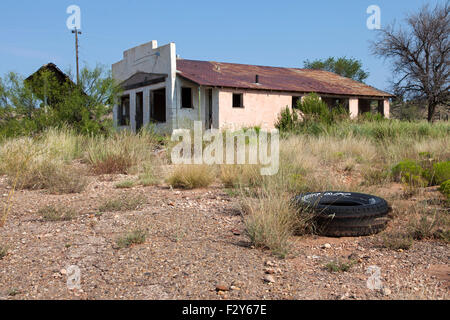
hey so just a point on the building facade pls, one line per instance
(171, 93)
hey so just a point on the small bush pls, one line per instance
(191, 176)
(445, 189)
(125, 184)
(441, 172)
(135, 237)
(397, 240)
(128, 203)
(409, 172)
(287, 121)
(53, 214)
(339, 265)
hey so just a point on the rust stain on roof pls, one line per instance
(232, 75)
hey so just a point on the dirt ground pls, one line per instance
(195, 246)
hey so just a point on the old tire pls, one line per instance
(345, 214)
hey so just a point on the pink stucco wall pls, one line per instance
(260, 108)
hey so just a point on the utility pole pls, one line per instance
(76, 50)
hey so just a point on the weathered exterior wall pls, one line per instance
(260, 108)
(149, 58)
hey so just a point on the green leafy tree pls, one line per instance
(346, 67)
(32, 105)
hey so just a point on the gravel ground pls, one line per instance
(195, 248)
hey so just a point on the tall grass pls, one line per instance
(191, 176)
(385, 130)
(120, 152)
(36, 164)
(315, 163)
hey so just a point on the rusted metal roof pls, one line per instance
(232, 75)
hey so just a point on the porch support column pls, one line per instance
(353, 108)
(146, 106)
(386, 108)
(133, 111)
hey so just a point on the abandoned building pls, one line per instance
(171, 92)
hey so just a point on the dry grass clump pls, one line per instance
(192, 176)
(151, 173)
(235, 175)
(53, 214)
(31, 164)
(431, 225)
(397, 240)
(271, 218)
(120, 152)
(127, 203)
(340, 265)
(137, 236)
(125, 184)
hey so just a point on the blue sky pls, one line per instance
(274, 33)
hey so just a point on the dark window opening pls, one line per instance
(124, 111)
(186, 98)
(158, 105)
(238, 100)
(139, 116)
(296, 101)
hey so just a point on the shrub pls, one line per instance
(52, 213)
(445, 189)
(441, 172)
(128, 203)
(287, 121)
(191, 176)
(409, 172)
(137, 236)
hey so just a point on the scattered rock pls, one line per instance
(270, 263)
(269, 278)
(326, 246)
(234, 288)
(63, 271)
(222, 287)
(269, 270)
(386, 291)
